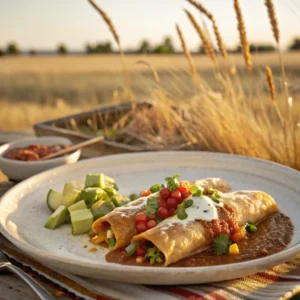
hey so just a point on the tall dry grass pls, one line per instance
(223, 115)
(219, 38)
(243, 35)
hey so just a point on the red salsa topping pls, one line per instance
(33, 152)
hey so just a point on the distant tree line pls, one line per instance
(145, 47)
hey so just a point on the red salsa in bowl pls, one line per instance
(33, 152)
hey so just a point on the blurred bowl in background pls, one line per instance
(19, 170)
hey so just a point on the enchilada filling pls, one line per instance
(158, 203)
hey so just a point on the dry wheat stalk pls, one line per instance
(208, 48)
(243, 35)
(107, 21)
(154, 72)
(270, 81)
(186, 51)
(271, 85)
(221, 45)
(273, 19)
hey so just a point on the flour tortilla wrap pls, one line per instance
(178, 239)
(122, 219)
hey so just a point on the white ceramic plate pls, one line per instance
(23, 212)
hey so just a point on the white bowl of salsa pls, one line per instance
(21, 159)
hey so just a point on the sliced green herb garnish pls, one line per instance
(250, 227)
(111, 242)
(180, 212)
(152, 206)
(172, 182)
(155, 188)
(215, 195)
(196, 191)
(131, 248)
(133, 197)
(215, 199)
(221, 244)
(154, 256)
(162, 186)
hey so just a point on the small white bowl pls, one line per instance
(19, 170)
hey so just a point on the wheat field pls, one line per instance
(245, 104)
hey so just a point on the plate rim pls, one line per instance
(32, 250)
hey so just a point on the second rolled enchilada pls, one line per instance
(177, 238)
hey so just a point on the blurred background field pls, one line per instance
(34, 89)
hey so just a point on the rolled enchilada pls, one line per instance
(180, 238)
(120, 223)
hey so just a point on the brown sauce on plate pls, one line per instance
(273, 235)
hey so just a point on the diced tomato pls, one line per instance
(162, 203)
(186, 195)
(171, 202)
(184, 183)
(152, 217)
(183, 189)
(176, 195)
(141, 227)
(164, 193)
(140, 251)
(151, 224)
(145, 193)
(172, 211)
(141, 217)
(163, 212)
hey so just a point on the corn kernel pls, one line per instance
(234, 249)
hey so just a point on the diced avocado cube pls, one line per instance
(70, 198)
(81, 220)
(54, 200)
(91, 195)
(95, 180)
(78, 205)
(102, 208)
(110, 191)
(115, 201)
(69, 187)
(57, 218)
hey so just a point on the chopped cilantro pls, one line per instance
(221, 244)
(111, 242)
(250, 227)
(133, 197)
(163, 186)
(180, 212)
(196, 191)
(154, 256)
(172, 182)
(152, 206)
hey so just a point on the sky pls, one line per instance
(43, 24)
